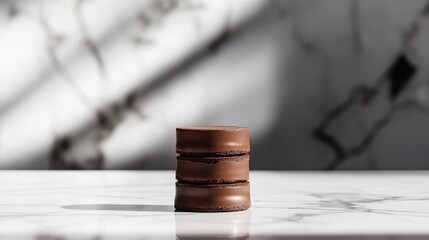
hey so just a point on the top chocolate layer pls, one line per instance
(212, 140)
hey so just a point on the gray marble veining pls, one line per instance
(101, 84)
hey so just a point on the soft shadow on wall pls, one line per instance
(325, 85)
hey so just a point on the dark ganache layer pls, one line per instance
(210, 170)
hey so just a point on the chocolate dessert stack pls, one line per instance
(212, 169)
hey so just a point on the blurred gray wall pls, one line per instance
(322, 84)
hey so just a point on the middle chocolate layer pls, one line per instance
(207, 170)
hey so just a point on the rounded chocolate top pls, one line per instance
(212, 140)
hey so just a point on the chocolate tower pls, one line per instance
(212, 169)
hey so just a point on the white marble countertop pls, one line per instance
(139, 205)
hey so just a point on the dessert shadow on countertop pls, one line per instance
(122, 207)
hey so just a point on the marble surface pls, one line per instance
(139, 205)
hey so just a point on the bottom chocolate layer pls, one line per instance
(213, 197)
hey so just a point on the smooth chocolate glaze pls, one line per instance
(213, 197)
(212, 140)
(209, 170)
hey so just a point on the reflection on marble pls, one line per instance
(136, 205)
(234, 225)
